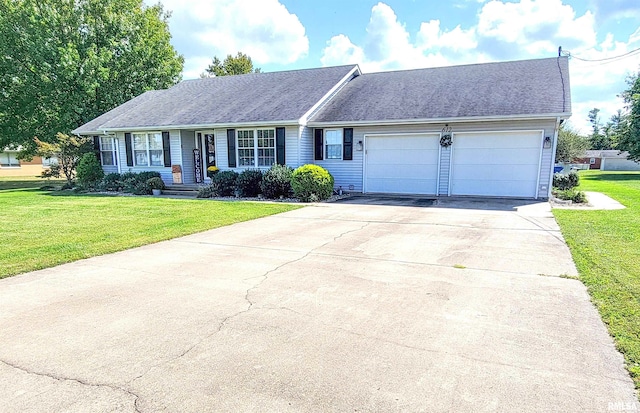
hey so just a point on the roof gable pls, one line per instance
(519, 88)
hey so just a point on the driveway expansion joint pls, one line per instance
(79, 381)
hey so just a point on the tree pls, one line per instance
(65, 62)
(571, 144)
(238, 65)
(68, 150)
(597, 139)
(630, 131)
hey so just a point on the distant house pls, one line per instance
(609, 160)
(10, 165)
(473, 130)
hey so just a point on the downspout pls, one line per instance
(553, 156)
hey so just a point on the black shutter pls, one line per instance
(127, 144)
(231, 147)
(280, 158)
(319, 146)
(166, 148)
(347, 144)
(96, 147)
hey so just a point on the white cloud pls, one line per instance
(504, 30)
(263, 29)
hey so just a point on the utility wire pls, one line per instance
(628, 54)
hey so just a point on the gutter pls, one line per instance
(439, 120)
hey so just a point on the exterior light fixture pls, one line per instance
(547, 143)
(359, 146)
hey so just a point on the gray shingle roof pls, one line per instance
(95, 126)
(255, 97)
(528, 87)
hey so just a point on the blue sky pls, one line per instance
(408, 34)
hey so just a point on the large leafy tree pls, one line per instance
(65, 62)
(571, 144)
(238, 65)
(630, 131)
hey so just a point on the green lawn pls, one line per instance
(606, 248)
(44, 228)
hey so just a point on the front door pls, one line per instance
(207, 145)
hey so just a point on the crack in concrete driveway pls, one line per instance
(330, 307)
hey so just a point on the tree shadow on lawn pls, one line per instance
(628, 176)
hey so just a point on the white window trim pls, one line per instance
(255, 148)
(133, 149)
(114, 158)
(341, 144)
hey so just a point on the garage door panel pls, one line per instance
(496, 164)
(402, 164)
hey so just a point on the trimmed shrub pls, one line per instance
(276, 182)
(566, 181)
(111, 182)
(205, 191)
(311, 183)
(578, 197)
(248, 182)
(224, 183)
(89, 172)
(137, 183)
(155, 183)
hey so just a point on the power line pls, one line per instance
(628, 54)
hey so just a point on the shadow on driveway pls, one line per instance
(487, 204)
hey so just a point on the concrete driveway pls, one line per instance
(334, 307)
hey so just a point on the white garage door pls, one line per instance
(403, 164)
(502, 164)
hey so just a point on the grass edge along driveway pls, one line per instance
(605, 246)
(42, 229)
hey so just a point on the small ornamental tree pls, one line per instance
(90, 171)
(68, 149)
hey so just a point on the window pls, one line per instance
(147, 149)
(108, 151)
(261, 142)
(333, 144)
(246, 150)
(9, 160)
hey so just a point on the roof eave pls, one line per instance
(201, 126)
(565, 115)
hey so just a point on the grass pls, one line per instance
(606, 249)
(43, 228)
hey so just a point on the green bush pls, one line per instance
(311, 183)
(248, 182)
(89, 172)
(136, 184)
(578, 197)
(276, 182)
(155, 183)
(566, 181)
(224, 183)
(111, 182)
(205, 191)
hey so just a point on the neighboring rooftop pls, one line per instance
(518, 88)
(254, 97)
(606, 153)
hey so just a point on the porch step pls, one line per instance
(181, 190)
